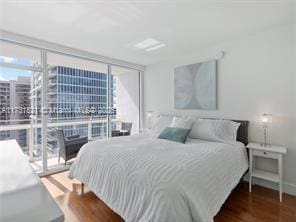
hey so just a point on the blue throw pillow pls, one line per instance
(174, 134)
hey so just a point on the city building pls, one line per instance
(14, 104)
(4, 103)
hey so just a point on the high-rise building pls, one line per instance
(4, 103)
(14, 101)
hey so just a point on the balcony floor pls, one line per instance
(52, 164)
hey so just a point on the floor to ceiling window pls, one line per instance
(54, 91)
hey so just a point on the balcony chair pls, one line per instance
(69, 146)
(125, 130)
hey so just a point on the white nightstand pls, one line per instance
(272, 152)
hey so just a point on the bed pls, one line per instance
(145, 179)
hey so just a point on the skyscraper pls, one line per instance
(14, 101)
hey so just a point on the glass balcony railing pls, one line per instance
(28, 135)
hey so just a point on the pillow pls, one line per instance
(182, 122)
(161, 122)
(174, 134)
(214, 130)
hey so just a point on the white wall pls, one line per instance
(254, 77)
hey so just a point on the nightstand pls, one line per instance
(271, 152)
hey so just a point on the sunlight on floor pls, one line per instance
(52, 163)
(59, 184)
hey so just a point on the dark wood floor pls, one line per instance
(261, 205)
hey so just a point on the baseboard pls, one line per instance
(287, 187)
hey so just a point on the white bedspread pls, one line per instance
(145, 179)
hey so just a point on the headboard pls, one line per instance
(242, 132)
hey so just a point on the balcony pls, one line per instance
(28, 134)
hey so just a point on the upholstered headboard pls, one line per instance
(242, 132)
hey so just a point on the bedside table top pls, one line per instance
(271, 148)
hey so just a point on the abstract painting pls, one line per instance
(195, 86)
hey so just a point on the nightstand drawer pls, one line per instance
(265, 154)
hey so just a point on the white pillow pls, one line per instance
(182, 122)
(214, 130)
(161, 122)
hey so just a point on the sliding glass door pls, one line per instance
(42, 91)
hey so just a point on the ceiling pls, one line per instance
(112, 28)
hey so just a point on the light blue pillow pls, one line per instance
(174, 134)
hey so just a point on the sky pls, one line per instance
(12, 74)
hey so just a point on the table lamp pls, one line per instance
(265, 120)
(149, 118)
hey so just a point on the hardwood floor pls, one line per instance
(261, 205)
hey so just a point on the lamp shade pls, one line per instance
(149, 114)
(265, 119)
(150, 118)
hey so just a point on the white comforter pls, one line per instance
(145, 179)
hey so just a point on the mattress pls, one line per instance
(146, 179)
